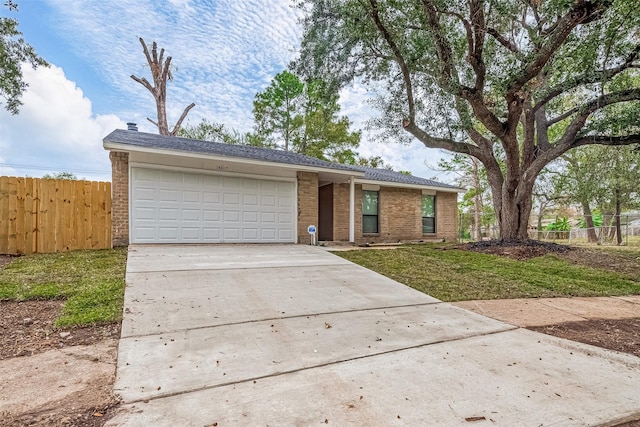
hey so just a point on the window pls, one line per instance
(428, 214)
(369, 212)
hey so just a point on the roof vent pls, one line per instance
(132, 126)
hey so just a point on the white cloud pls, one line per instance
(224, 52)
(55, 130)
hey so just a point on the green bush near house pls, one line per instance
(91, 281)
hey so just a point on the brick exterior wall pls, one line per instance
(400, 215)
(119, 198)
(307, 204)
(447, 216)
(341, 212)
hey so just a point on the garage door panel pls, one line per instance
(145, 194)
(168, 195)
(232, 234)
(190, 234)
(211, 197)
(145, 234)
(231, 217)
(191, 215)
(250, 199)
(250, 185)
(192, 180)
(175, 207)
(268, 217)
(268, 234)
(170, 177)
(143, 174)
(211, 215)
(145, 214)
(168, 214)
(250, 234)
(231, 184)
(211, 235)
(284, 202)
(268, 200)
(251, 217)
(285, 218)
(168, 234)
(189, 196)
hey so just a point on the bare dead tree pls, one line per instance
(161, 72)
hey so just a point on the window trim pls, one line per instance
(431, 217)
(377, 215)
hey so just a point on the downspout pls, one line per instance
(352, 210)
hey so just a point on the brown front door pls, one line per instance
(325, 212)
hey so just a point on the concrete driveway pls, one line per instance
(266, 335)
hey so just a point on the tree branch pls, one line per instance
(582, 12)
(561, 117)
(503, 41)
(443, 50)
(606, 140)
(443, 143)
(406, 75)
(176, 128)
(144, 82)
(588, 78)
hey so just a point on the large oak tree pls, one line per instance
(525, 79)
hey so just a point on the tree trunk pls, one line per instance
(617, 218)
(588, 218)
(477, 203)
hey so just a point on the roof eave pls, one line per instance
(405, 185)
(115, 146)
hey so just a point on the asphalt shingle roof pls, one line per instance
(172, 143)
(400, 178)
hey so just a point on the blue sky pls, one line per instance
(224, 51)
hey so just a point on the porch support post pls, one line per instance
(352, 210)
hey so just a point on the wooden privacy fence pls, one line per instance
(53, 215)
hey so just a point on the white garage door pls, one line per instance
(178, 207)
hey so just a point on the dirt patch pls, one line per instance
(619, 335)
(52, 376)
(27, 328)
(5, 260)
(517, 249)
(611, 260)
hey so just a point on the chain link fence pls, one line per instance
(559, 229)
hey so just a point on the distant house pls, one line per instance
(177, 190)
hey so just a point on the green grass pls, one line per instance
(457, 275)
(91, 282)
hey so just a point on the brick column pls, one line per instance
(307, 204)
(119, 198)
(447, 216)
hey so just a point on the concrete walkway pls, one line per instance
(551, 311)
(261, 335)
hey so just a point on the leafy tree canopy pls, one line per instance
(14, 51)
(303, 117)
(526, 80)
(60, 175)
(217, 132)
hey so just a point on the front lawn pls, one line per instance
(91, 282)
(459, 275)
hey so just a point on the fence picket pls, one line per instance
(50, 215)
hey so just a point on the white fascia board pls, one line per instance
(414, 186)
(113, 146)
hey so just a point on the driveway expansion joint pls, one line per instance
(318, 366)
(268, 319)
